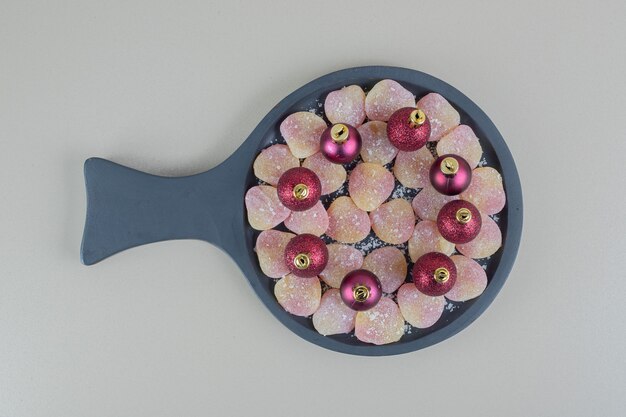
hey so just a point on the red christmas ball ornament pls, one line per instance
(306, 255)
(450, 174)
(299, 189)
(360, 290)
(434, 274)
(459, 221)
(340, 143)
(408, 129)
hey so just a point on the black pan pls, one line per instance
(128, 208)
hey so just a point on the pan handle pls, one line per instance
(128, 208)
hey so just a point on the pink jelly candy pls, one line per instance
(332, 176)
(486, 243)
(272, 162)
(461, 141)
(299, 296)
(428, 202)
(346, 106)
(486, 191)
(341, 260)
(418, 309)
(393, 221)
(426, 238)
(333, 316)
(313, 220)
(302, 131)
(389, 265)
(471, 279)
(376, 146)
(385, 98)
(346, 222)
(412, 168)
(265, 210)
(270, 248)
(370, 185)
(381, 324)
(442, 116)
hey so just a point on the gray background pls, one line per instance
(173, 88)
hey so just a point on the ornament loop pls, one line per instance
(302, 261)
(449, 166)
(441, 275)
(361, 293)
(339, 133)
(300, 191)
(417, 118)
(463, 215)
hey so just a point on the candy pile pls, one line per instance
(384, 145)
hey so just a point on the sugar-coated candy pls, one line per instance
(486, 191)
(393, 221)
(265, 210)
(346, 222)
(332, 176)
(389, 265)
(299, 296)
(429, 201)
(385, 98)
(341, 260)
(420, 310)
(486, 243)
(376, 147)
(426, 238)
(380, 325)
(272, 162)
(461, 141)
(333, 316)
(471, 279)
(302, 131)
(370, 185)
(270, 248)
(346, 106)
(313, 220)
(443, 117)
(412, 168)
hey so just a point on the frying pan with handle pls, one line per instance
(128, 208)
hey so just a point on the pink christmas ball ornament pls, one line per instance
(361, 290)
(306, 256)
(408, 129)
(299, 189)
(450, 174)
(434, 274)
(459, 221)
(340, 143)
